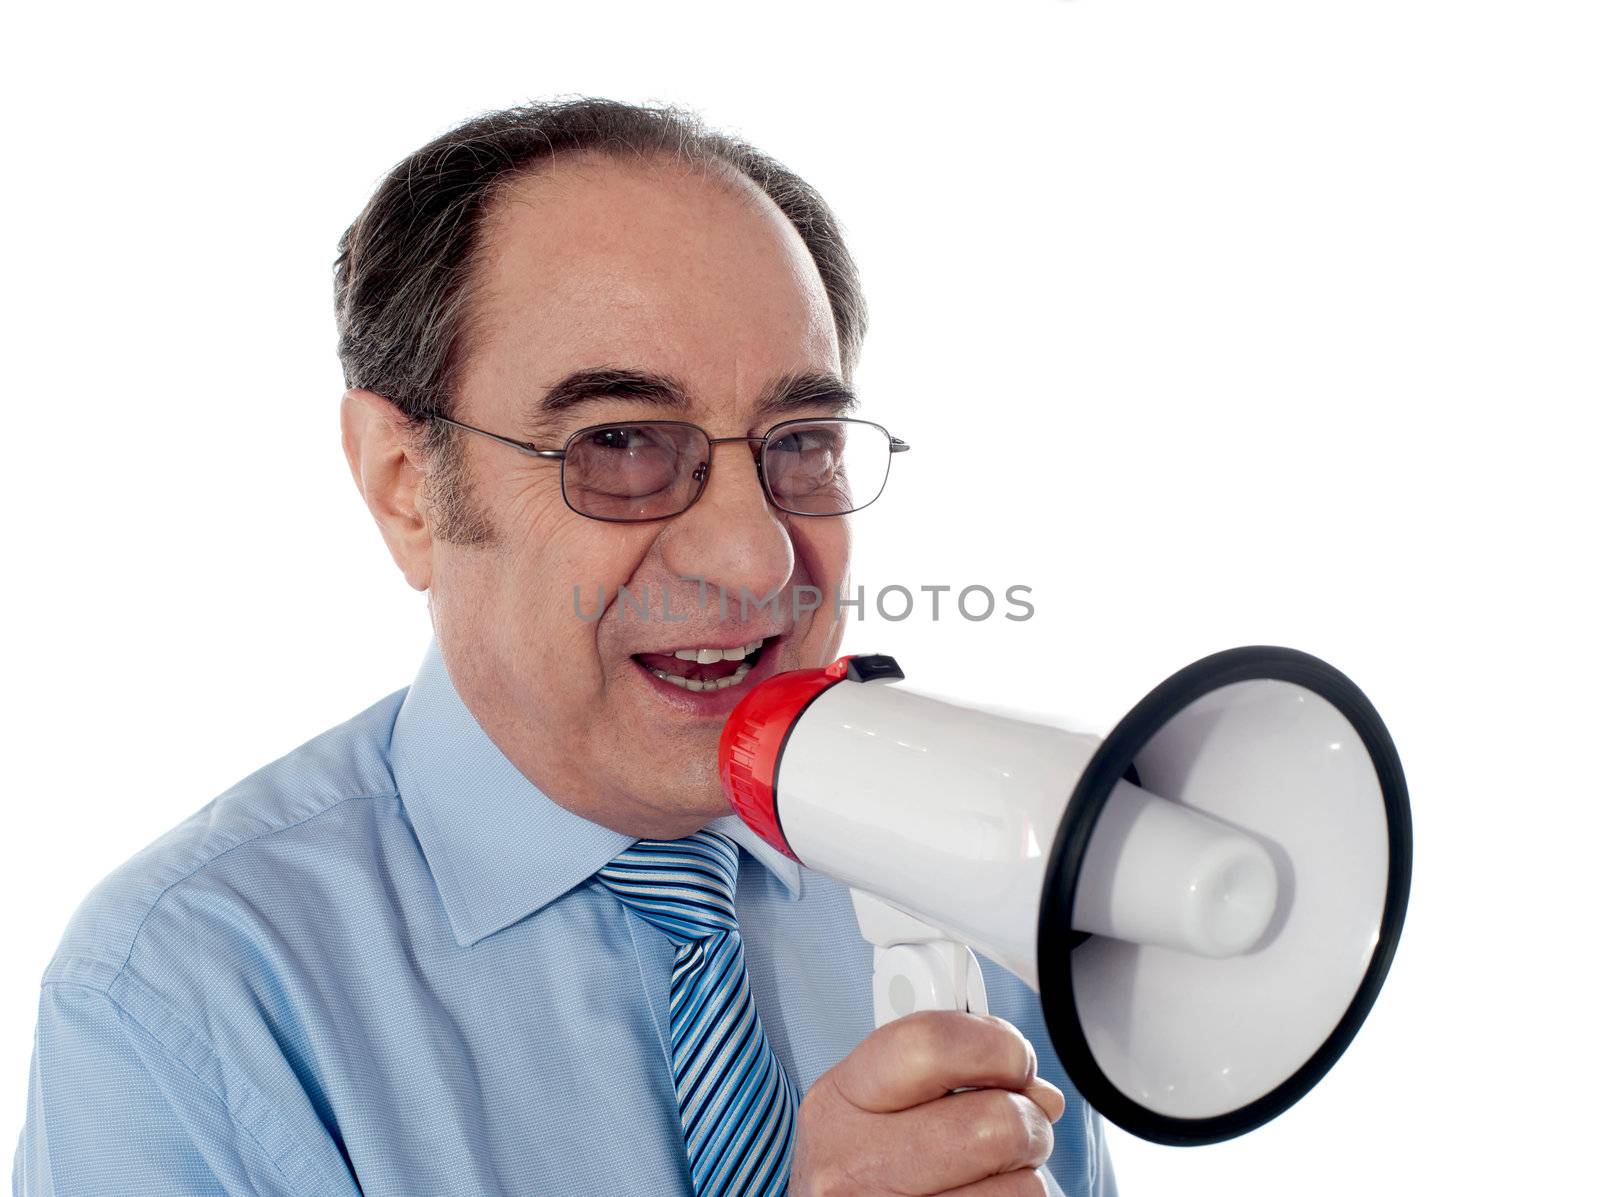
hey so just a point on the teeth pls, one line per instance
(710, 656)
(689, 683)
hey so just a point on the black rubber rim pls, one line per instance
(1111, 763)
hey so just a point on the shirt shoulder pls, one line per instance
(219, 846)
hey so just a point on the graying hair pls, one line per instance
(404, 276)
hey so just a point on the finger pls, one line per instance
(1029, 1182)
(963, 1138)
(924, 1056)
(1047, 1097)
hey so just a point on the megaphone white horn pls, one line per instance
(1207, 900)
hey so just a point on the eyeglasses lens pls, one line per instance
(635, 471)
(628, 472)
(827, 467)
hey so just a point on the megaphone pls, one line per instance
(1207, 900)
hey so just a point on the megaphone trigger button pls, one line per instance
(872, 668)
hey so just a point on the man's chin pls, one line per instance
(686, 793)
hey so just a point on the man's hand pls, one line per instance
(884, 1120)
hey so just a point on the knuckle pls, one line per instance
(924, 1038)
(1000, 1040)
(1046, 1141)
(1012, 1130)
(1002, 1129)
(1029, 1183)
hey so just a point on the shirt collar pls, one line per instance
(498, 848)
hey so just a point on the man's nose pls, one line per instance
(731, 536)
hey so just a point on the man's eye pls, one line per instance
(808, 440)
(616, 438)
(625, 461)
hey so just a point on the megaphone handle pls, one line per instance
(915, 966)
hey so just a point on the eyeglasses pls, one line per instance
(639, 471)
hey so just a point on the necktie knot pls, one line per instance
(684, 887)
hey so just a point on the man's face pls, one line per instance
(654, 270)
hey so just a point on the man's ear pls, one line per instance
(389, 476)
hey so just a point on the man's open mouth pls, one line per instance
(705, 667)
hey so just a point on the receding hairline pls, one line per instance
(520, 187)
(524, 183)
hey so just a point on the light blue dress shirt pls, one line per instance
(381, 965)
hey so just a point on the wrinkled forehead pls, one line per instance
(649, 265)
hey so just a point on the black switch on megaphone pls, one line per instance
(872, 669)
(1207, 900)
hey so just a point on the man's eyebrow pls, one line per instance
(799, 392)
(795, 392)
(584, 386)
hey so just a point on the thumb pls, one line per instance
(1047, 1097)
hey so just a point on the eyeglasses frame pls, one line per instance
(896, 445)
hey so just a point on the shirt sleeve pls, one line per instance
(110, 1111)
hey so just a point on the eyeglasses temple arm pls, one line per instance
(522, 446)
(896, 445)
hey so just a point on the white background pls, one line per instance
(1299, 299)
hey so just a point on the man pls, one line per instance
(499, 933)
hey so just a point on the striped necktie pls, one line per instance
(736, 1103)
